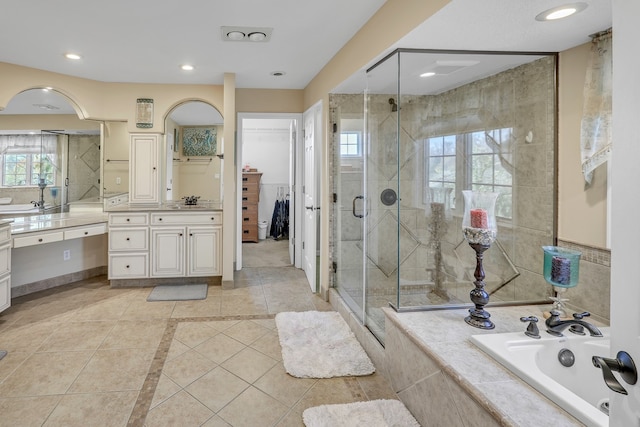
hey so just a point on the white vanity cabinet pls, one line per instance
(128, 245)
(5, 266)
(144, 174)
(186, 244)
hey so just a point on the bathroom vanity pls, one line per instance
(5, 264)
(170, 240)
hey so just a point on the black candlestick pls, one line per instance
(478, 317)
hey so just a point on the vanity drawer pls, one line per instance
(5, 234)
(251, 178)
(128, 219)
(128, 266)
(128, 239)
(38, 239)
(214, 218)
(250, 198)
(86, 231)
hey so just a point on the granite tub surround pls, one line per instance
(444, 379)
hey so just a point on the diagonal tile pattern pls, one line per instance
(86, 354)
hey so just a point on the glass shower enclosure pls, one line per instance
(413, 132)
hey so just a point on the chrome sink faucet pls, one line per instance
(555, 325)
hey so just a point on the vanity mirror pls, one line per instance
(44, 144)
(193, 132)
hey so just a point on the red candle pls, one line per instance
(479, 218)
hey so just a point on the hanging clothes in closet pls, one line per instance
(280, 219)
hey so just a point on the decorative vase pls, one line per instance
(480, 229)
(561, 269)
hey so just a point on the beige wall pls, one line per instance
(269, 101)
(582, 211)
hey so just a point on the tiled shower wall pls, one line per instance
(523, 99)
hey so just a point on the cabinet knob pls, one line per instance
(180, 234)
(159, 219)
(128, 219)
(127, 266)
(128, 239)
(40, 240)
(190, 234)
(86, 232)
(213, 218)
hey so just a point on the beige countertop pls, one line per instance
(444, 336)
(35, 223)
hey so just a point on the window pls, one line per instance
(351, 144)
(491, 169)
(486, 167)
(26, 159)
(441, 163)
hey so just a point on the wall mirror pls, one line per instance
(47, 155)
(428, 125)
(193, 135)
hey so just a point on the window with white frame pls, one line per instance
(487, 165)
(25, 159)
(351, 144)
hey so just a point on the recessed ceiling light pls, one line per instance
(72, 56)
(257, 36)
(277, 73)
(428, 74)
(561, 11)
(187, 67)
(246, 34)
(235, 35)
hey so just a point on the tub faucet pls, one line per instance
(555, 326)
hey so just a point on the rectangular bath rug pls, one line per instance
(374, 413)
(319, 344)
(178, 292)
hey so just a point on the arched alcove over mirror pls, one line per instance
(193, 135)
(48, 154)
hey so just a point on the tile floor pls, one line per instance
(88, 355)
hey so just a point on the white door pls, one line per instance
(293, 132)
(625, 251)
(309, 195)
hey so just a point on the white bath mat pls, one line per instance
(375, 413)
(319, 344)
(178, 292)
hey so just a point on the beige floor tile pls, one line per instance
(221, 325)
(179, 410)
(164, 390)
(283, 387)
(140, 310)
(249, 364)
(11, 362)
(376, 386)
(330, 391)
(206, 308)
(265, 410)
(176, 349)
(219, 348)
(269, 344)
(109, 309)
(244, 304)
(193, 334)
(217, 388)
(187, 367)
(27, 338)
(78, 336)
(45, 374)
(27, 411)
(216, 421)
(99, 409)
(114, 370)
(291, 419)
(135, 334)
(246, 331)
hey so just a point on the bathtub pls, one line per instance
(20, 209)
(579, 389)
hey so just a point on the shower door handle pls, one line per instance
(353, 209)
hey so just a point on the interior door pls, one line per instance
(309, 196)
(625, 251)
(292, 179)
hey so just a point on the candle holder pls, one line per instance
(561, 269)
(479, 229)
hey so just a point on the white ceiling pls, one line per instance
(147, 40)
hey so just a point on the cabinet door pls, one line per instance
(144, 176)
(5, 292)
(204, 257)
(167, 252)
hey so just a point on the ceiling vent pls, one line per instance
(246, 34)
